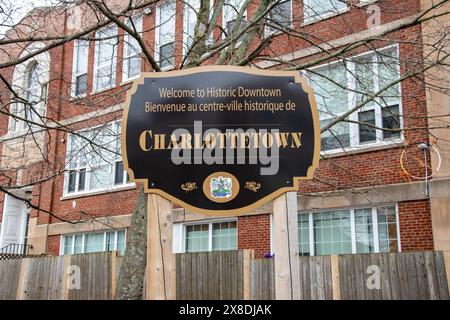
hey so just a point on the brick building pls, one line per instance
(364, 197)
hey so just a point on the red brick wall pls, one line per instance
(53, 244)
(415, 225)
(254, 233)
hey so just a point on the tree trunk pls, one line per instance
(132, 273)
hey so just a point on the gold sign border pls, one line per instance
(260, 202)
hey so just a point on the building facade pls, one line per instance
(368, 195)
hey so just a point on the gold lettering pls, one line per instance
(173, 144)
(282, 139)
(267, 140)
(160, 142)
(296, 139)
(143, 140)
(186, 141)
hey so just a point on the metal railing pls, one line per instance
(16, 248)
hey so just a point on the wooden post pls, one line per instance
(65, 278)
(248, 257)
(285, 234)
(113, 274)
(160, 260)
(21, 294)
(335, 280)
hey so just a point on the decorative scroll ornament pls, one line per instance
(252, 186)
(189, 186)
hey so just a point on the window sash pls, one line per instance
(80, 67)
(213, 236)
(320, 9)
(230, 11)
(132, 49)
(281, 14)
(375, 59)
(105, 58)
(165, 31)
(377, 241)
(167, 60)
(81, 169)
(108, 240)
(190, 21)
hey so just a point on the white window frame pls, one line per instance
(89, 168)
(126, 58)
(352, 226)
(323, 16)
(83, 247)
(179, 234)
(20, 109)
(112, 64)
(354, 126)
(158, 43)
(362, 3)
(268, 31)
(74, 68)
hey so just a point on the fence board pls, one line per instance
(441, 275)
(262, 279)
(9, 278)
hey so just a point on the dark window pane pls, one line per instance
(231, 24)
(134, 66)
(81, 179)
(72, 179)
(81, 84)
(110, 240)
(367, 133)
(336, 137)
(281, 14)
(391, 120)
(166, 55)
(118, 175)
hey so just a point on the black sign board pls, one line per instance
(220, 140)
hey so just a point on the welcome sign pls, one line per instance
(220, 140)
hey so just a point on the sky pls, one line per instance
(11, 11)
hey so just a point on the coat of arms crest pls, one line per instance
(221, 187)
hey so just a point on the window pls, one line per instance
(364, 230)
(314, 10)
(94, 242)
(34, 91)
(343, 85)
(214, 236)
(230, 16)
(97, 165)
(80, 68)
(329, 85)
(280, 15)
(105, 58)
(132, 50)
(165, 34)
(191, 8)
(190, 20)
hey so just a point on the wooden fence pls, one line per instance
(236, 275)
(410, 275)
(213, 275)
(83, 276)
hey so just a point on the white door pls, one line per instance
(14, 222)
